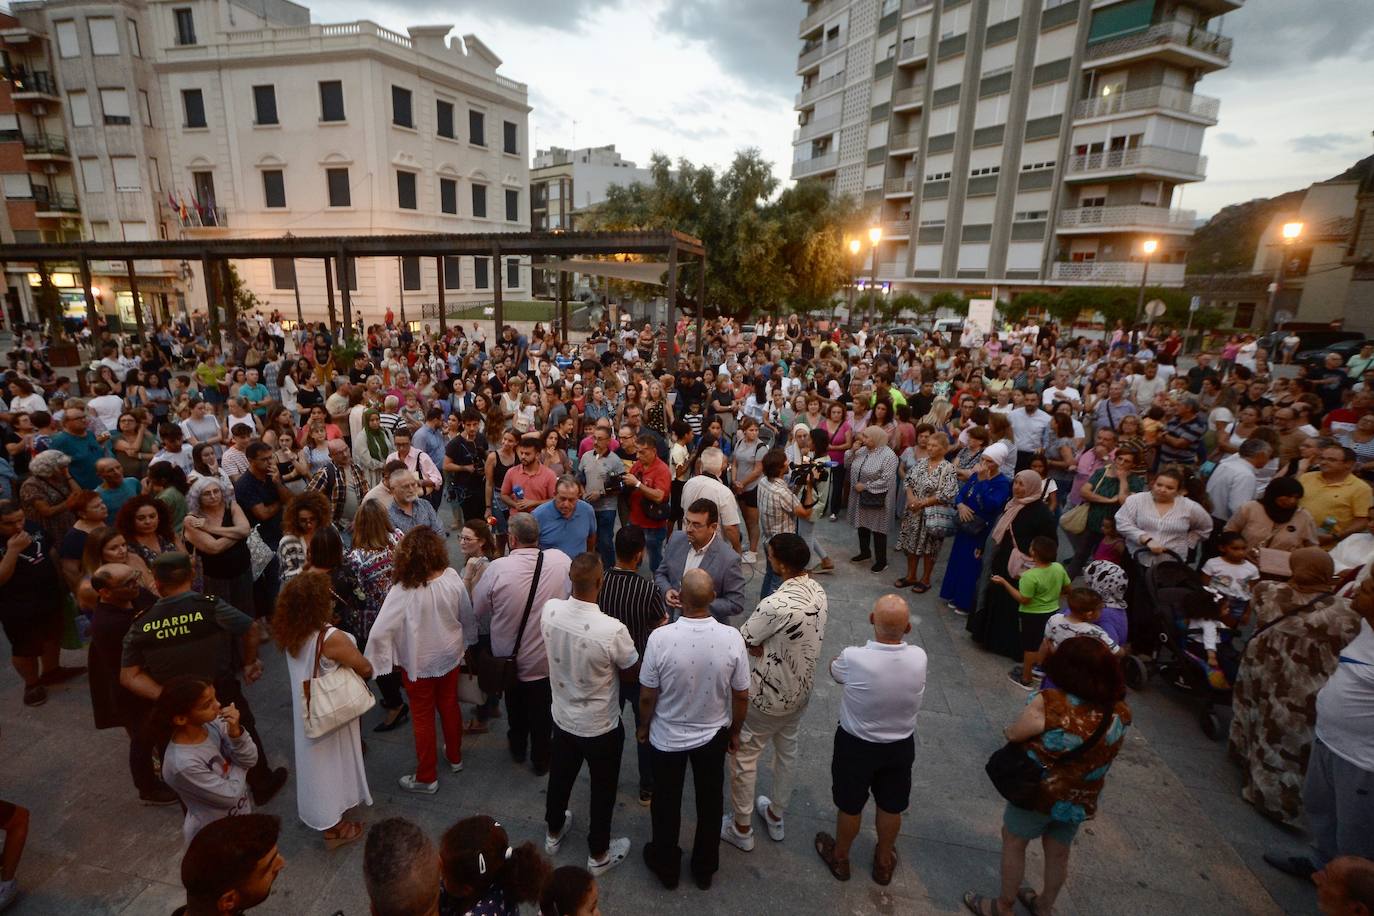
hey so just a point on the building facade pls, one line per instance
(1008, 145)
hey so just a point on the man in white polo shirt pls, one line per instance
(875, 743)
(587, 650)
(694, 694)
(707, 484)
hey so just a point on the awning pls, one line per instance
(650, 272)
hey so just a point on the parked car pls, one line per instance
(1317, 356)
(1310, 340)
(902, 330)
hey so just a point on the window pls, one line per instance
(480, 278)
(512, 205)
(452, 272)
(400, 107)
(126, 176)
(115, 104)
(346, 273)
(265, 105)
(331, 101)
(273, 188)
(92, 175)
(448, 196)
(410, 273)
(938, 176)
(339, 195)
(154, 174)
(477, 128)
(135, 46)
(80, 105)
(134, 230)
(1030, 216)
(17, 186)
(283, 273)
(68, 45)
(405, 190)
(185, 26)
(9, 127)
(479, 201)
(193, 104)
(147, 108)
(513, 273)
(986, 170)
(1033, 166)
(510, 138)
(1098, 201)
(443, 116)
(104, 35)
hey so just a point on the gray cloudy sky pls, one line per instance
(703, 78)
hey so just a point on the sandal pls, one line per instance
(1029, 898)
(343, 834)
(825, 848)
(882, 875)
(904, 582)
(476, 727)
(982, 906)
(921, 588)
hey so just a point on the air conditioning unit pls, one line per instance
(39, 109)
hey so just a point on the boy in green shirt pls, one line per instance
(1038, 592)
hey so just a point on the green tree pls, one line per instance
(1021, 306)
(903, 303)
(949, 301)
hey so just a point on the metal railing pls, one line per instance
(36, 83)
(896, 230)
(1165, 33)
(816, 128)
(909, 140)
(911, 6)
(54, 202)
(1140, 158)
(203, 218)
(824, 162)
(900, 185)
(46, 144)
(911, 95)
(913, 48)
(1166, 97)
(1116, 273)
(892, 269)
(819, 14)
(813, 51)
(824, 87)
(1157, 217)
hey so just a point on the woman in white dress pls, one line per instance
(330, 778)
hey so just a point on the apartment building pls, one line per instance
(1008, 145)
(242, 118)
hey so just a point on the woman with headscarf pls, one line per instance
(979, 502)
(1302, 626)
(1111, 582)
(371, 446)
(50, 496)
(996, 625)
(872, 483)
(1276, 520)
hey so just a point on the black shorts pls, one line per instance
(1033, 630)
(749, 498)
(29, 635)
(858, 768)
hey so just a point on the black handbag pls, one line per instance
(1017, 777)
(496, 673)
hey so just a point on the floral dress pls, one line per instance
(1070, 790)
(927, 479)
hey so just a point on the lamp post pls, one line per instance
(875, 236)
(854, 246)
(1149, 247)
(1289, 233)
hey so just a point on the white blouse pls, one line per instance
(423, 630)
(1178, 530)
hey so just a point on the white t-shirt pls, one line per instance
(694, 664)
(586, 651)
(1231, 579)
(1345, 706)
(1053, 394)
(884, 685)
(107, 408)
(181, 459)
(710, 488)
(1060, 628)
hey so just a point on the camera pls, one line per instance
(612, 483)
(817, 469)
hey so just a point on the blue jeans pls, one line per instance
(771, 580)
(629, 693)
(605, 536)
(654, 539)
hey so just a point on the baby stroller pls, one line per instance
(1163, 588)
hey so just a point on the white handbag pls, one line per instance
(259, 554)
(332, 700)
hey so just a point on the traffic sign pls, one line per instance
(1155, 308)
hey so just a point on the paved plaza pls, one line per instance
(1172, 836)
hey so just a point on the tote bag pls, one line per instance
(330, 701)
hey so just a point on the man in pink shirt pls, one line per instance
(529, 484)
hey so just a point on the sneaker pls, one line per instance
(36, 695)
(411, 784)
(618, 851)
(775, 825)
(456, 767)
(1014, 675)
(158, 796)
(730, 834)
(832, 516)
(9, 892)
(551, 842)
(646, 797)
(750, 557)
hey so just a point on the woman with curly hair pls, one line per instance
(570, 891)
(330, 777)
(303, 514)
(425, 626)
(482, 873)
(146, 523)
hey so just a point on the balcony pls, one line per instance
(913, 49)
(1115, 273)
(888, 270)
(46, 146)
(813, 51)
(910, 97)
(1175, 42)
(899, 187)
(1165, 98)
(816, 128)
(819, 13)
(203, 218)
(817, 91)
(1090, 220)
(816, 165)
(52, 205)
(904, 142)
(915, 6)
(898, 230)
(35, 85)
(1157, 161)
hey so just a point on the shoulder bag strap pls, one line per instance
(1111, 421)
(1092, 739)
(529, 603)
(1295, 612)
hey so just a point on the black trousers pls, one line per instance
(390, 686)
(140, 746)
(602, 755)
(708, 778)
(229, 690)
(629, 693)
(529, 713)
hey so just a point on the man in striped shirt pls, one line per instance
(635, 601)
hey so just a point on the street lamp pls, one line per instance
(875, 235)
(1289, 233)
(854, 247)
(1149, 247)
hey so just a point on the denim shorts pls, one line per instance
(1031, 825)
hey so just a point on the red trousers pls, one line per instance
(425, 695)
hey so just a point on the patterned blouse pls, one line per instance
(1069, 791)
(372, 571)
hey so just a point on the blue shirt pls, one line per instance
(253, 393)
(120, 495)
(84, 453)
(431, 442)
(422, 515)
(566, 534)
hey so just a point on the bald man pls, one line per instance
(115, 489)
(694, 694)
(875, 744)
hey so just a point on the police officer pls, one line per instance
(187, 633)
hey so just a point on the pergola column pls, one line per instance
(443, 281)
(498, 312)
(344, 285)
(329, 297)
(672, 306)
(207, 268)
(90, 297)
(138, 309)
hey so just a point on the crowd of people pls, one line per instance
(190, 500)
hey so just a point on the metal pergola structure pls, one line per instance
(215, 255)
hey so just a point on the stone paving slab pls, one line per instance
(1172, 835)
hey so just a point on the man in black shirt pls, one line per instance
(31, 612)
(465, 457)
(1202, 370)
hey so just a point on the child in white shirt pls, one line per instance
(1232, 574)
(1079, 619)
(1209, 636)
